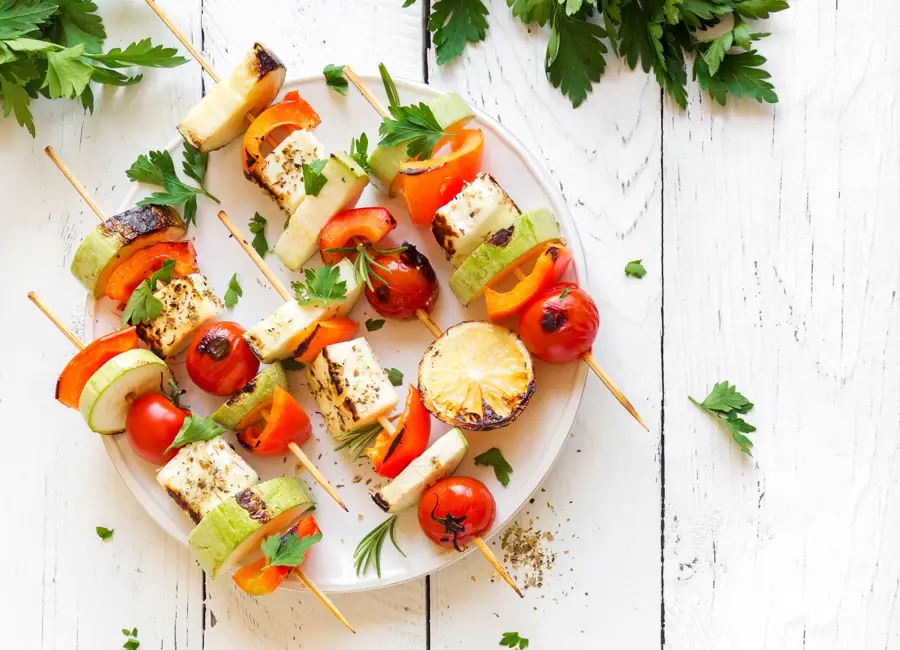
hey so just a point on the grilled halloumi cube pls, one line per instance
(187, 303)
(203, 474)
(289, 327)
(480, 209)
(221, 116)
(281, 172)
(350, 386)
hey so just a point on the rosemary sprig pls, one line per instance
(356, 440)
(368, 552)
(365, 260)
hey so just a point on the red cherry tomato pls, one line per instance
(151, 425)
(219, 359)
(411, 284)
(557, 328)
(286, 422)
(456, 510)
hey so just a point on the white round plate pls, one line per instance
(530, 445)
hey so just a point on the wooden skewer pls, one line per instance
(365, 92)
(194, 52)
(323, 597)
(428, 322)
(74, 182)
(62, 327)
(316, 474)
(287, 297)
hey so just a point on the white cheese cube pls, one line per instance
(350, 386)
(203, 474)
(187, 303)
(279, 335)
(221, 116)
(480, 209)
(281, 172)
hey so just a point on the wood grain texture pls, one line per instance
(781, 247)
(72, 590)
(601, 502)
(307, 36)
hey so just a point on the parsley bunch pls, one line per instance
(658, 35)
(52, 48)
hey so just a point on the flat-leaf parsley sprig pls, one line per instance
(322, 287)
(726, 404)
(415, 126)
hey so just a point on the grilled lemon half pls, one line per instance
(476, 376)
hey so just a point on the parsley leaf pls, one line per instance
(313, 178)
(104, 533)
(78, 23)
(15, 98)
(390, 88)
(564, 293)
(395, 377)
(455, 23)
(738, 74)
(142, 305)
(194, 163)
(142, 53)
(158, 168)
(233, 292)
(196, 428)
(635, 269)
(532, 11)
(493, 457)
(67, 75)
(414, 125)
(258, 228)
(292, 364)
(513, 640)
(359, 151)
(288, 550)
(323, 286)
(373, 324)
(574, 59)
(335, 79)
(759, 8)
(131, 643)
(727, 404)
(23, 17)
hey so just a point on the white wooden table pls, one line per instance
(772, 240)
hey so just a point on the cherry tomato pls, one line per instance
(151, 425)
(557, 328)
(411, 284)
(456, 510)
(219, 359)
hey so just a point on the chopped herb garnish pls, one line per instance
(359, 151)
(313, 178)
(635, 269)
(565, 292)
(131, 643)
(335, 79)
(513, 640)
(142, 305)
(415, 126)
(395, 377)
(368, 552)
(196, 428)
(374, 324)
(104, 533)
(726, 404)
(258, 228)
(494, 458)
(288, 550)
(322, 287)
(233, 292)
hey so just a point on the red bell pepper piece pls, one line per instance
(84, 364)
(431, 184)
(141, 266)
(259, 579)
(547, 271)
(286, 422)
(391, 453)
(336, 330)
(293, 113)
(369, 225)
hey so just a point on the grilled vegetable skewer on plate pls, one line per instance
(221, 493)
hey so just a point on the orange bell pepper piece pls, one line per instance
(84, 364)
(287, 422)
(547, 271)
(293, 113)
(141, 266)
(336, 330)
(431, 184)
(368, 224)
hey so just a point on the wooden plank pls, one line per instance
(781, 253)
(307, 36)
(72, 590)
(601, 502)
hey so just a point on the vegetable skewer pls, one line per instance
(69, 334)
(589, 357)
(478, 541)
(286, 295)
(295, 449)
